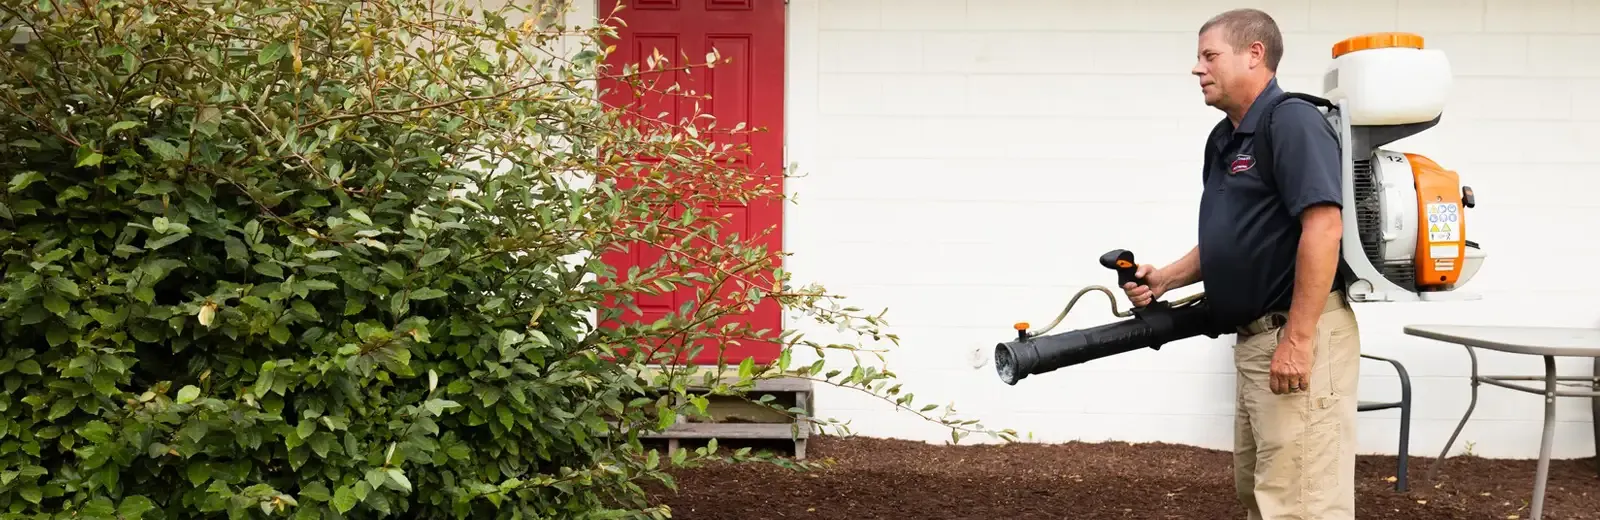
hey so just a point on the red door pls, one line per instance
(745, 86)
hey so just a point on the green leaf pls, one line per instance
(427, 293)
(306, 309)
(433, 257)
(162, 148)
(135, 507)
(99, 507)
(96, 432)
(206, 121)
(164, 241)
(316, 491)
(198, 473)
(92, 159)
(272, 52)
(399, 478)
(438, 406)
(235, 248)
(334, 422)
(108, 318)
(188, 394)
(120, 126)
(265, 381)
(253, 232)
(268, 269)
(22, 180)
(321, 443)
(280, 333)
(344, 499)
(64, 286)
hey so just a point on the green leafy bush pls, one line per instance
(324, 258)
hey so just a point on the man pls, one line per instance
(1268, 253)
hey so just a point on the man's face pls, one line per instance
(1220, 68)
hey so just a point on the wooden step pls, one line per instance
(701, 430)
(736, 418)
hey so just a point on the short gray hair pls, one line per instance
(1243, 27)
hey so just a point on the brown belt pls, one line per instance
(1273, 320)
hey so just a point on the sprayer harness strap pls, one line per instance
(1248, 225)
(1263, 136)
(1263, 156)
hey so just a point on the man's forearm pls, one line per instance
(1316, 263)
(1184, 272)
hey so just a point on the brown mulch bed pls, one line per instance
(880, 478)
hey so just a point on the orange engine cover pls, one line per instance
(1441, 240)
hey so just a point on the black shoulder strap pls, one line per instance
(1263, 157)
(1263, 136)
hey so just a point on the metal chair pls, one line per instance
(1594, 408)
(1404, 404)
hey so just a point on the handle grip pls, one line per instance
(1121, 260)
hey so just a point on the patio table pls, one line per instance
(1546, 342)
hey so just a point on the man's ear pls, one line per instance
(1258, 54)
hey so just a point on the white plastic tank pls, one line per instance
(1388, 79)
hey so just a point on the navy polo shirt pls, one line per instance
(1249, 229)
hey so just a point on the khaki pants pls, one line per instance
(1294, 454)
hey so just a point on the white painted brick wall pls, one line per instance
(1048, 132)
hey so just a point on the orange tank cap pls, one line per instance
(1383, 40)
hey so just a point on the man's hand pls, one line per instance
(1179, 274)
(1291, 364)
(1315, 265)
(1142, 295)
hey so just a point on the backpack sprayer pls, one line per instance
(1404, 215)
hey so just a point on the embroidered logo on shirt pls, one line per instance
(1241, 163)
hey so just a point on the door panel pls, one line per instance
(746, 86)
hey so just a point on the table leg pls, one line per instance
(1434, 471)
(1543, 473)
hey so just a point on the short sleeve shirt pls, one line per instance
(1250, 227)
